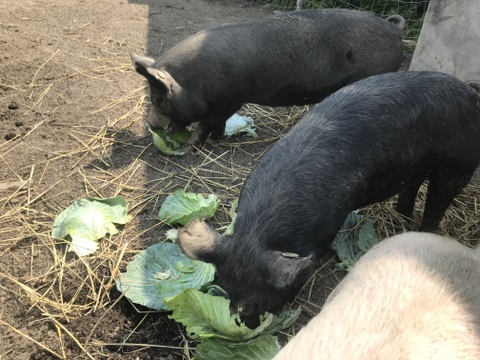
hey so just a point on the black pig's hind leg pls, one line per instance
(406, 198)
(445, 184)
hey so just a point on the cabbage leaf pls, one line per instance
(162, 271)
(169, 144)
(206, 316)
(181, 207)
(354, 239)
(262, 348)
(89, 219)
(233, 215)
(240, 124)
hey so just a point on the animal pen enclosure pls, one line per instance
(72, 115)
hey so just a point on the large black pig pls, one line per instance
(287, 59)
(368, 141)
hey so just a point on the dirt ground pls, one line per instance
(72, 125)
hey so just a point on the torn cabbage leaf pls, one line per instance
(162, 271)
(181, 207)
(240, 124)
(169, 144)
(206, 316)
(89, 219)
(223, 335)
(233, 215)
(354, 239)
(262, 348)
(172, 235)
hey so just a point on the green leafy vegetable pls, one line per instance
(216, 290)
(162, 271)
(237, 124)
(89, 219)
(354, 239)
(223, 336)
(181, 207)
(261, 348)
(172, 235)
(233, 216)
(206, 316)
(169, 144)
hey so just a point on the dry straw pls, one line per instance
(65, 288)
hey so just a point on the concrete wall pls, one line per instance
(450, 39)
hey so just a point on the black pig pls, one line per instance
(287, 59)
(368, 141)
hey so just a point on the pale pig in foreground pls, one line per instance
(414, 296)
(286, 59)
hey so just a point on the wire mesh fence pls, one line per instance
(412, 10)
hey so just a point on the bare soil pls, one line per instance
(72, 115)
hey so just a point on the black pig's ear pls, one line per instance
(475, 85)
(199, 241)
(141, 62)
(289, 270)
(161, 78)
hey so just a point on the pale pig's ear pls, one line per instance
(289, 270)
(199, 241)
(144, 66)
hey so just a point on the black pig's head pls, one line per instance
(172, 105)
(256, 279)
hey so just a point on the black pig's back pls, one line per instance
(358, 146)
(291, 58)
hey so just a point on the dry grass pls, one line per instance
(63, 288)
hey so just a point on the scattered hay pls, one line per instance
(65, 288)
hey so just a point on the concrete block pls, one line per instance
(450, 39)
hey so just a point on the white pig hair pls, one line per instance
(413, 296)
